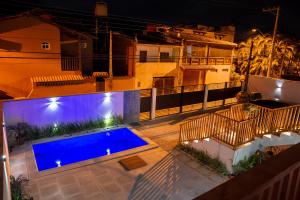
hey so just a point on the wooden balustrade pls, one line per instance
(197, 129)
(234, 127)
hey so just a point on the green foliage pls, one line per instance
(248, 163)
(284, 57)
(28, 132)
(16, 186)
(205, 159)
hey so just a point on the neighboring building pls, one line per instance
(207, 54)
(143, 62)
(42, 58)
(163, 57)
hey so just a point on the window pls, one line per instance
(164, 85)
(165, 57)
(45, 45)
(143, 56)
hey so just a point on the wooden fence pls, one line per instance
(235, 127)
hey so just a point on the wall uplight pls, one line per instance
(107, 98)
(53, 103)
(206, 139)
(196, 141)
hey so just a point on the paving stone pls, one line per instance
(65, 180)
(49, 190)
(70, 190)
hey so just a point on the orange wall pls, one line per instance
(21, 40)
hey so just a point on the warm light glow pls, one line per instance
(287, 133)
(247, 144)
(254, 30)
(196, 141)
(268, 135)
(206, 139)
(58, 162)
(186, 142)
(53, 103)
(279, 83)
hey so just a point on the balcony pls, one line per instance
(206, 61)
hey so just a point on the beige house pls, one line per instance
(142, 62)
(207, 55)
(41, 58)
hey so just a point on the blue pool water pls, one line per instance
(71, 150)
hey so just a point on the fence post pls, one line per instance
(205, 97)
(153, 103)
(226, 85)
(181, 98)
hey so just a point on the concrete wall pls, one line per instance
(216, 150)
(231, 157)
(271, 88)
(40, 91)
(76, 108)
(131, 106)
(220, 76)
(144, 72)
(120, 83)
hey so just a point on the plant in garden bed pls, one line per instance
(248, 163)
(17, 190)
(23, 132)
(205, 159)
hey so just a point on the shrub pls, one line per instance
(16, 186)
(205, 159)
(248, 163)
(25, 131)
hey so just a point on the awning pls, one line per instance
(57, 78)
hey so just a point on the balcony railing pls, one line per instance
(206, 60)
(70, 63)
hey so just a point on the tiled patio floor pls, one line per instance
(170, 174)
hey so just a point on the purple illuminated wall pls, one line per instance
(77, 108)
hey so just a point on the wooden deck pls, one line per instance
(236, 127)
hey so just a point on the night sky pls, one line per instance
(243, 14)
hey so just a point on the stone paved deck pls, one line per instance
(170, 174)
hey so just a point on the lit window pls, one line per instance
(45, 45)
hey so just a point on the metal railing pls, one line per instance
(70, 63)
(206, 60)
(235, 127)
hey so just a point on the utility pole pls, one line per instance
(277, 9)
(248, 68)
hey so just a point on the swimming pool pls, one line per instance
(79, 148)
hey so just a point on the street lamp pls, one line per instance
(256, 30)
